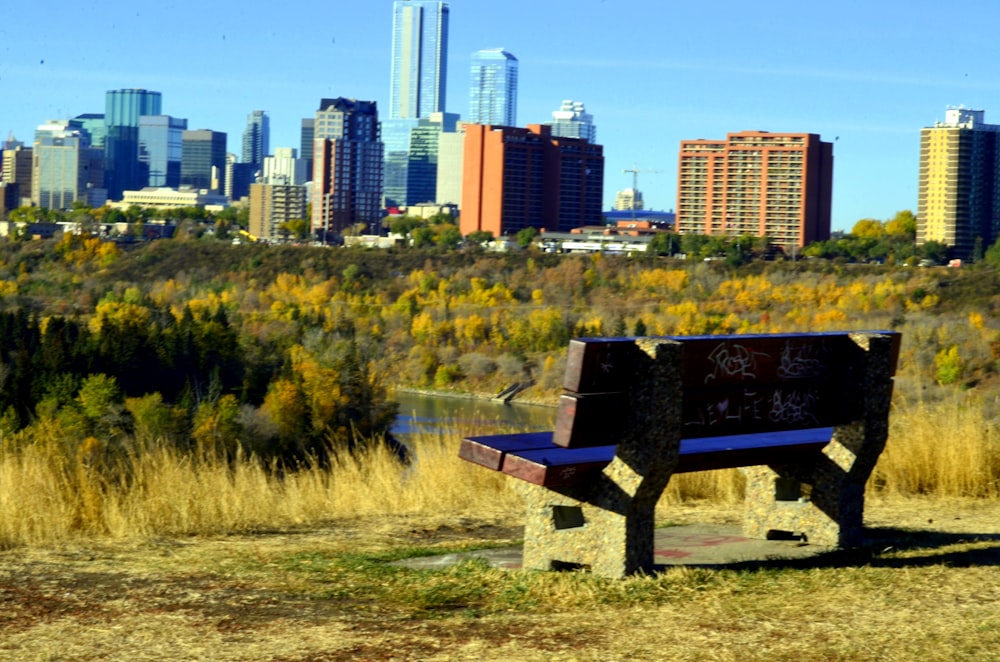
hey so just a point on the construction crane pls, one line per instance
(635, 183)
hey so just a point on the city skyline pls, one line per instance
(866, 76)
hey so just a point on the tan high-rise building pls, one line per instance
(274, 204)
(959, 196)
(515, 178)
(775, 185)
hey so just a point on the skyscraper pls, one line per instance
(307, 132)
(160, 150)
(419, 58)
(347, 166)
(256, 139)
(493, 91)
(959, 182)
(203, 159)
(775, 185)
(122, 110)
(573, 121)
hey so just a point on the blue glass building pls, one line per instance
(419, 58)
(493, 90)
(160, 149)
(122, 110)
(256, 139)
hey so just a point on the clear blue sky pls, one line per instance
(866, 74)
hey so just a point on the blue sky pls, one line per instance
(865, 74)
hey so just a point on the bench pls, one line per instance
(804, 417)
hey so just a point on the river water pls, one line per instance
(432, 413)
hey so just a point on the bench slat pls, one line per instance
(489, 451)
(601, 365)
(597, 419)
(555, 466)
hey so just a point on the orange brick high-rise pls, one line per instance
(756, 183)
(515, 178)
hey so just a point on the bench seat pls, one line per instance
(533, 457)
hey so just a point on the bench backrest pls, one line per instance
(731, 384)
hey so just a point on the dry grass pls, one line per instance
(327, 594)
(178, 557)
(49, 495)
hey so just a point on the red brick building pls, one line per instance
(515, 178)
(756, 183)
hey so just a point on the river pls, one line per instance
(425, 412)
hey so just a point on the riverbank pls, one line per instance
(522, 398)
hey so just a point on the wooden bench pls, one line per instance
(804, 416)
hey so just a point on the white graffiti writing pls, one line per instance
(733, 361)
(746, 408)
(798, 407)
(798, 362)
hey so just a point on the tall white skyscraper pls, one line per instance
(493, 91)
(573, 121)
(419, 58)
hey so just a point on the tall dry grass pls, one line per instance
(48, 496)
(948, 448)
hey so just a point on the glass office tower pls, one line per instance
(493, 91)
(160, 149)
(419, 58)
(122, 110)
(256, 139)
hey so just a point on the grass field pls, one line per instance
(174, 557)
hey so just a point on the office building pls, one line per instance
(93, 124)
(10, 198)
(160, 150)
(422, 168)
(958, 201)
(238, 178)
(122, 110)
(451, 156)
(285, 168)
(347, 167)
(419, 58)
(573, 121)
(256, 139)
(759, 184)
(396, 159)
(203, 159)
(66, 169)
(628, 199)
(61, 129)
(307, 131)
(17, 167)
(271, 205)
(171, 198)
(411, 158)
(493, 90)
(515, 178)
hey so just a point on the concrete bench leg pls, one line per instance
(833, 512)
(613, 539)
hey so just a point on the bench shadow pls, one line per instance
(880, 550)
